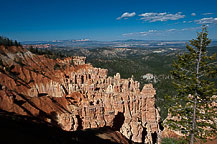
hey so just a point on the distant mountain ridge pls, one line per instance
(86, 43)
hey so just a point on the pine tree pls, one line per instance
(16, 43)
(194, 111)
(31, 49)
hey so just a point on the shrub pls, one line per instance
(169, 140)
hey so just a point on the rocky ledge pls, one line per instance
(74, 95)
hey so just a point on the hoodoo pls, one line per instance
(74, 95)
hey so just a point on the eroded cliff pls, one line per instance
(75, 95)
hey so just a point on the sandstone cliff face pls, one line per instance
(76, 96)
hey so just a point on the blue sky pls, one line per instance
(26, 20)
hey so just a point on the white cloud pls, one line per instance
(171, 30)
(126, 15)
(128, 34)
(153, 17)
(160, 32)
(150, 31)
(207, 13)
(143, 33)
(187, 21)
(193, 14)
(191, 28)
(209, 20)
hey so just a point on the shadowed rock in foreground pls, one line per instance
(26, 130)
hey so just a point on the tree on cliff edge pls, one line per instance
(193, 111)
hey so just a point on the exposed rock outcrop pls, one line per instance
(76, 96)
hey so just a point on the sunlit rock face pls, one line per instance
(75, 95)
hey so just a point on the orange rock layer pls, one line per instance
(76, 96)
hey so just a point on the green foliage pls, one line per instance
(173, 141)
(57, 66)
(47, 53)
(193, 75)
(163, 87)
(7, 42)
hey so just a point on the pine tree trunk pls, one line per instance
(193, 121)
(195, 96)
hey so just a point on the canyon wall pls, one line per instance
(75, 95)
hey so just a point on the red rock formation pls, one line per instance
(76, 97)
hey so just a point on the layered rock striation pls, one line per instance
(75, 95)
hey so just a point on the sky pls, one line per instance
(106, 20)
